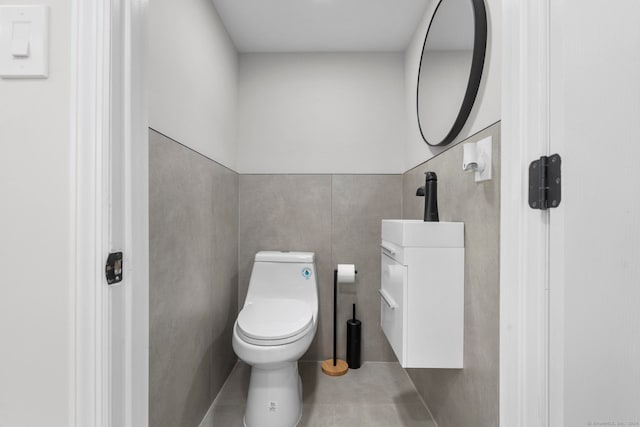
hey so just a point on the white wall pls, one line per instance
(486, 109)
(321, 113)
(295, 113)
(593, 269)
(193, 78)
(35, 260)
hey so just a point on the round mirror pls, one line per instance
(450, 68)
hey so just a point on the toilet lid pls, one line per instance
(271, 319)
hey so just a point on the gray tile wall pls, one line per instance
(467, 397)
(193, 229)
(207, 223)
(337, 217)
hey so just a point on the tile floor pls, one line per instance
(379, 394)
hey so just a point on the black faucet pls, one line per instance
(430, 192)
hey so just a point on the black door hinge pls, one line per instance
(545, 183)
(113, 269)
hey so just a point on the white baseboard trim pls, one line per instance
(208, 420)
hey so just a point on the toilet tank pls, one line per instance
(284, 275)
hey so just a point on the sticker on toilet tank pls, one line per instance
(307, 273)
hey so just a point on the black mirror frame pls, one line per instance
(475, 75)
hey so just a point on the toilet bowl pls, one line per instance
(273, 330)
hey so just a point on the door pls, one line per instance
(594, 235)
(110, 146)
(116, 218)
(126, 217)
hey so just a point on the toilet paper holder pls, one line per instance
(335, 367)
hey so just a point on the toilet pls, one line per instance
(273, 330)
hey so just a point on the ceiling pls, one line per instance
(321, 25)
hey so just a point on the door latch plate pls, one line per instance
(113, 269)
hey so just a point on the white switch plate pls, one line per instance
(20, 25)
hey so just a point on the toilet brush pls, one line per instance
(334, 366)
(354, 337)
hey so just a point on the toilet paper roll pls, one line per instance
(346, 273)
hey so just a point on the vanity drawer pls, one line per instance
(392, 303)
(422, 306)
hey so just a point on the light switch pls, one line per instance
(24, 41)
(20, 48)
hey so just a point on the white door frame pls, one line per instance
(91, 130)
(524, 241)
(524, 276)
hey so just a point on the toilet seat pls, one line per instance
(274, 321)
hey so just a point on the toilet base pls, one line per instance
(275, 396)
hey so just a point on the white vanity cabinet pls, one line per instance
(422, 292)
